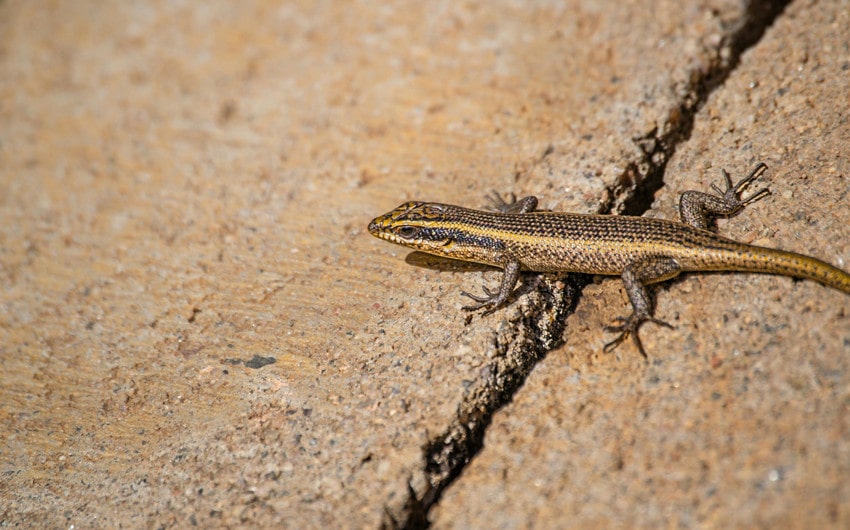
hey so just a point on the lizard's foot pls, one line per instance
(489, 300)
(732, 194)
(629, 326)
(699, 209)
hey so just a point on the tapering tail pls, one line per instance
(774, 261)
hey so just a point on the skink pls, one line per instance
(640, 250)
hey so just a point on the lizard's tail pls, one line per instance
(774, 261)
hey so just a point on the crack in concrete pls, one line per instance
(540, 328)
(658, 147)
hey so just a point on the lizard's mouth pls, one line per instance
(380, 228)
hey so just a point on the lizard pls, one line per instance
(515, 236)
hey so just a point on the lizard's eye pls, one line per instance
(407, 232)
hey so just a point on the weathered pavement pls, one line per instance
(185, 191)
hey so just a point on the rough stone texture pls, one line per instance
(185, 190)
(740, 417)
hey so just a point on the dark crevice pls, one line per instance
(538, 332)
(657, 148)
(541, 328)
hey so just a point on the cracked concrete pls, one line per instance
(185, 194)
(738, 420)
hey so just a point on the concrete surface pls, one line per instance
(196, 328)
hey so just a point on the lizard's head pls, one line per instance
(416, 225)
(441, 229)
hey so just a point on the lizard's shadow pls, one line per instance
(438, 263)
(528, 280)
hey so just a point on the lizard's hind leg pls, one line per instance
(700, 209)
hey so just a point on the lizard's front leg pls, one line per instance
(700, 209)
(635, 279)
(491, 300)
(512, 266)
(498, 204)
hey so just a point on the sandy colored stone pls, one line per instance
(738, 418)
(184, 191)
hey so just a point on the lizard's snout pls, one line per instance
(375, 225)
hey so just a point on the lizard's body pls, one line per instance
(642, 250)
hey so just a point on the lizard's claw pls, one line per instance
(487, 300)
(733, 191)
(629, 326)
